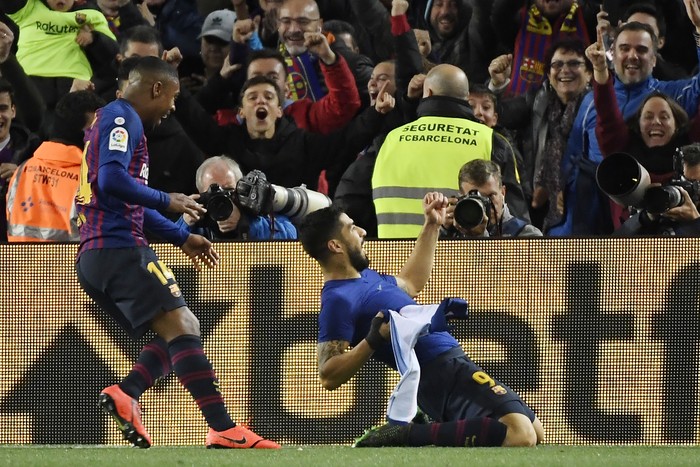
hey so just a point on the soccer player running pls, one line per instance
(469, 407)
(123, 275)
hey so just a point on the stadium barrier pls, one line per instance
(600, 336)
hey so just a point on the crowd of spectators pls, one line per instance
(372, 102)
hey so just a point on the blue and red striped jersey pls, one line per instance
(106, 221)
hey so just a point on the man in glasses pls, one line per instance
(298, 18)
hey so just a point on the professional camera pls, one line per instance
(626, 182)
(218, 202)
(255, 193)
(659, 199)
(471, 209)
(257, 197)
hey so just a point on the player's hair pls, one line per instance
(155, 68)
(143, 34)
(125, 68)
(316, 229)
(254, 81)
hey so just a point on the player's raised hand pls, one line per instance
(200, 251)
(185, 205)
(385, 101)
(435, 208)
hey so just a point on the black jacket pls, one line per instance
(173, 158)
(292, 156)
(473, 46)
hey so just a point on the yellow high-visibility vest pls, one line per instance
(419, 157)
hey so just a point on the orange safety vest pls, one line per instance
(41, 195)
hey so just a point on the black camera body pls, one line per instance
(471, 209)
(253, 194)
(218, 202)
(659, 199)
(627, 183)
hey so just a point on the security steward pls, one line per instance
(41, 193)
(424, 155)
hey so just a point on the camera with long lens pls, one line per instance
(626, 182)
(659, 199)
(471, 209)
(255, 196)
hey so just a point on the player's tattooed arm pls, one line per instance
(401, 284)
(337, 364)
(328, 350)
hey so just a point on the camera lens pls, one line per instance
(469, 212)
(659, 199)
(220, 207)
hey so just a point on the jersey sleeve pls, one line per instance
(120, 134)
(335, 322)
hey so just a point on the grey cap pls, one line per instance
(219, 24)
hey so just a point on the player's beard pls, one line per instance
(358, 259)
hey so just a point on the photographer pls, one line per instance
(481, 211)
(225, 172)
(681, 220)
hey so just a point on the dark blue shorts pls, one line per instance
(130, 284)
(452, 387)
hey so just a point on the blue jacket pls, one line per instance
(258, 229)
(585, 205)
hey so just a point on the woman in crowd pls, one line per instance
(544, 119)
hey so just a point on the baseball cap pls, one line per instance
(219, 23)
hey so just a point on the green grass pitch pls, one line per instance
(308, 456)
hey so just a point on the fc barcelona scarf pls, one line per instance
(534, 38)
(302, 76)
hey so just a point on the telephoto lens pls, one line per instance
(659, 199)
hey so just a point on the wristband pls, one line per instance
(374, 338)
